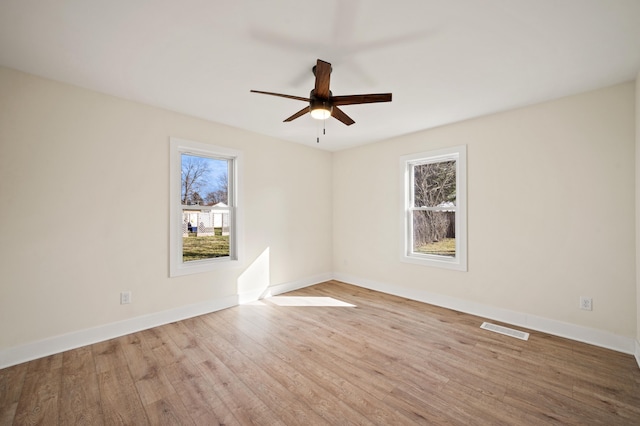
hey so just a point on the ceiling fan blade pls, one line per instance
(361, 99)
(338, 114)
(298, 98)
(323, 76)
(300, 113)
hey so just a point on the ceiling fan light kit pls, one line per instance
(320, 109)
(322, 103)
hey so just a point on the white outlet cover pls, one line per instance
(125, 297)
(586, 303)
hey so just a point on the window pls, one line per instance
(204, 213)
(434, 211)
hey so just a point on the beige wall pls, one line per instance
(551, 211)
(84, 210)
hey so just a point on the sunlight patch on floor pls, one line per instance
(307, 301)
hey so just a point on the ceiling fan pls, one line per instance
(322, 103)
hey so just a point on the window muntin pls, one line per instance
(204, 207)
(434, 212)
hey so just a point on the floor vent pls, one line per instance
(506, 331)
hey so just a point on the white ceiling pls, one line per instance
(443, 60)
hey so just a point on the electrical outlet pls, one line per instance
(586, 303)
(125, 297)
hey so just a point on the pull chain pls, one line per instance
(324, 131)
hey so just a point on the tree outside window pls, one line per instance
(434, 186)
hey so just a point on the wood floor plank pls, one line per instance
(187, 342)
(243, 402)
(39, 398)
(326, 351)
(268, 386)
(320, 356)
(386, 360)
(307, 361)
(550, 405)
(230, 348)
(147, 374)
(285, 382)
(203, 403)
(168, 410)
(121, 404)
(11, 384)
(165, 350)
(491, 410)
(80, 394)
(108, 355)
(611, 398)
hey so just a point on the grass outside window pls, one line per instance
(200, 248)
(444, 247)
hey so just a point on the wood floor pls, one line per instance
(386, 361)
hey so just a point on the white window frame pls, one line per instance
(459, 154)
(183, 146)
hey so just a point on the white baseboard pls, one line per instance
(56, 344)
(65, 342)
(295, 285)
(76, 339)
(557, 328)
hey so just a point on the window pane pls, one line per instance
(205, 213)
(204, 180)
(434, 232)
(434, 184)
